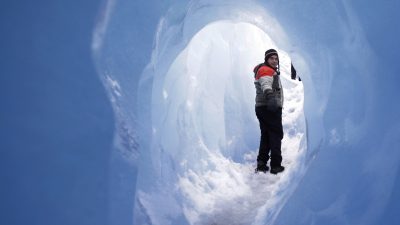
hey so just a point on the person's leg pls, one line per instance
(263, 150)
(275, 131)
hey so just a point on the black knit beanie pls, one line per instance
(269, 53)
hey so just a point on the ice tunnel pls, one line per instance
(202, 122)
(197, 136)
(141, 112)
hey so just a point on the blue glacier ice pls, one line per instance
(141, 112)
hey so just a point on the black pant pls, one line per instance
(271, 135)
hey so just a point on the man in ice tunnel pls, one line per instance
(268, 107)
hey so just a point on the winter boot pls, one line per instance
(277, 169)
(262, 167)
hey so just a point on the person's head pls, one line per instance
(272, 58)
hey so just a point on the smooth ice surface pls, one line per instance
(94, 112)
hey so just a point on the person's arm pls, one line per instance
(265, 78)
(293, 72)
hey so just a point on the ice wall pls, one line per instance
(335, 57)
(69, 148)
(56, 121)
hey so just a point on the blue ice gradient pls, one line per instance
(71, 138)
(57, 123)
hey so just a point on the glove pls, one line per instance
(272, 103)
(268, 93)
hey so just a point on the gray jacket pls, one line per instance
(268, 85)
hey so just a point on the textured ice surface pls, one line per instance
(87, 106)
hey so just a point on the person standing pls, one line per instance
(293, 73)
(268, 107)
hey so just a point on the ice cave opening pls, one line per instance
(204, 133)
